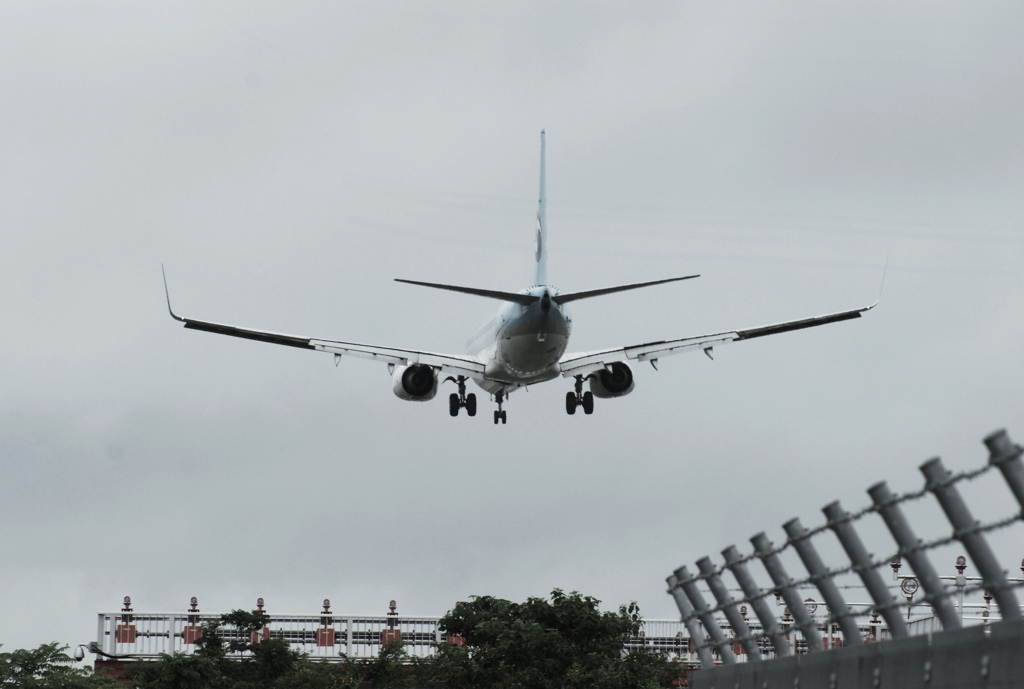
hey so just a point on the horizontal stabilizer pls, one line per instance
(525, 299)
(573, 296)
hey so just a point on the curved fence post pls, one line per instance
(726, 603)
(777, 571)
(755, 595)
(692, 625)
(964, 526)
(707, 618)
(1004, 455)
(839, 522)
(909, 544)
(838, 608)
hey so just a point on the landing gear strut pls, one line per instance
(579, 398)
(460, 400)
(499, 397)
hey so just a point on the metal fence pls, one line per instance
(786, 652)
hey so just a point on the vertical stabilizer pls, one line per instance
(540, 276)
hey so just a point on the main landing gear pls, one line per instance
(499, 397)
(460, 400)
(579, 398)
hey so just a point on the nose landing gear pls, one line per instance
(460, 400)
(499, 397)
(579, 398)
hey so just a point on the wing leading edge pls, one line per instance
(450, 363)
(582, 363)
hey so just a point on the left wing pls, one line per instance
(451, 363)
(582, 363)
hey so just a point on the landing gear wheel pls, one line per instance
(460, 400)
(570, 403)
(588, 403)
(499, 397)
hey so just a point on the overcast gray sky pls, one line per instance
(287, 160)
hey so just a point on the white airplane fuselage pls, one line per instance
(522, 344)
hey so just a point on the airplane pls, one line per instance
(523, 344)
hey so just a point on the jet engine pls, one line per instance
(615, 380)
(416, 383)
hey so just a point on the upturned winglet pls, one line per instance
(167, 293)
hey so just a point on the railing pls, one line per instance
(724, 629)
(326, 636)
(353, 636)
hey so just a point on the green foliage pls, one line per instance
(244, 624)
(389, 669)
(210, 644)
(562, 643)
(47, 667)
(179, 671)
(318, 675)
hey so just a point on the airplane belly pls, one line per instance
(525, 349)
(492, 387)
(528, 360)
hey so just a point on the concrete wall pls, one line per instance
(989, 657)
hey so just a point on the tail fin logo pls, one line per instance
(540, 239)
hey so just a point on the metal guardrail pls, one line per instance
(771, 642)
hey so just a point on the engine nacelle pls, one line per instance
(416, 383)
(614, 383)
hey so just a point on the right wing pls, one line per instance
(450, 363)
(583, 363)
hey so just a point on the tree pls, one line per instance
(563, 643)
(392, 668)
(47, 667)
